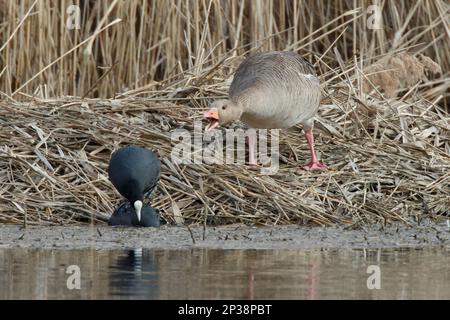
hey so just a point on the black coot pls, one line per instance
(124, 216)
(134, 171)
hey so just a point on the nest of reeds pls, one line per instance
(389, 160)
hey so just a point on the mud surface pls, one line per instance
(226, 237)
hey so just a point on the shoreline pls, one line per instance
(169, 237)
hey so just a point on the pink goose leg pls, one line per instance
(314, 164)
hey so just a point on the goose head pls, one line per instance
(222, 112)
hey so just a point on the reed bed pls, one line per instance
(69, 101)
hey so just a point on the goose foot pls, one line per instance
(315, 165)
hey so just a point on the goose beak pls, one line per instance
(213, 117)
(138, 208)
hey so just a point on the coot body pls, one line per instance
(134, 171)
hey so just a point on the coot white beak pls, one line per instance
(138, 208)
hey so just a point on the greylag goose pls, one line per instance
(134, 171)
(271, 90)
(124, 216)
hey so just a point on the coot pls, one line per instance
(124, 216)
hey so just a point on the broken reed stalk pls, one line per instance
(25, 222)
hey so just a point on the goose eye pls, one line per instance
(224, 107)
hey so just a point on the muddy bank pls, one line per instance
(227, 237)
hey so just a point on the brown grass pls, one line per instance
(70, 97)
(398, 72)
(161, 42)
(391, 165)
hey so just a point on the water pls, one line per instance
(225, 274)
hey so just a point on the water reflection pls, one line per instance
(225, 274)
